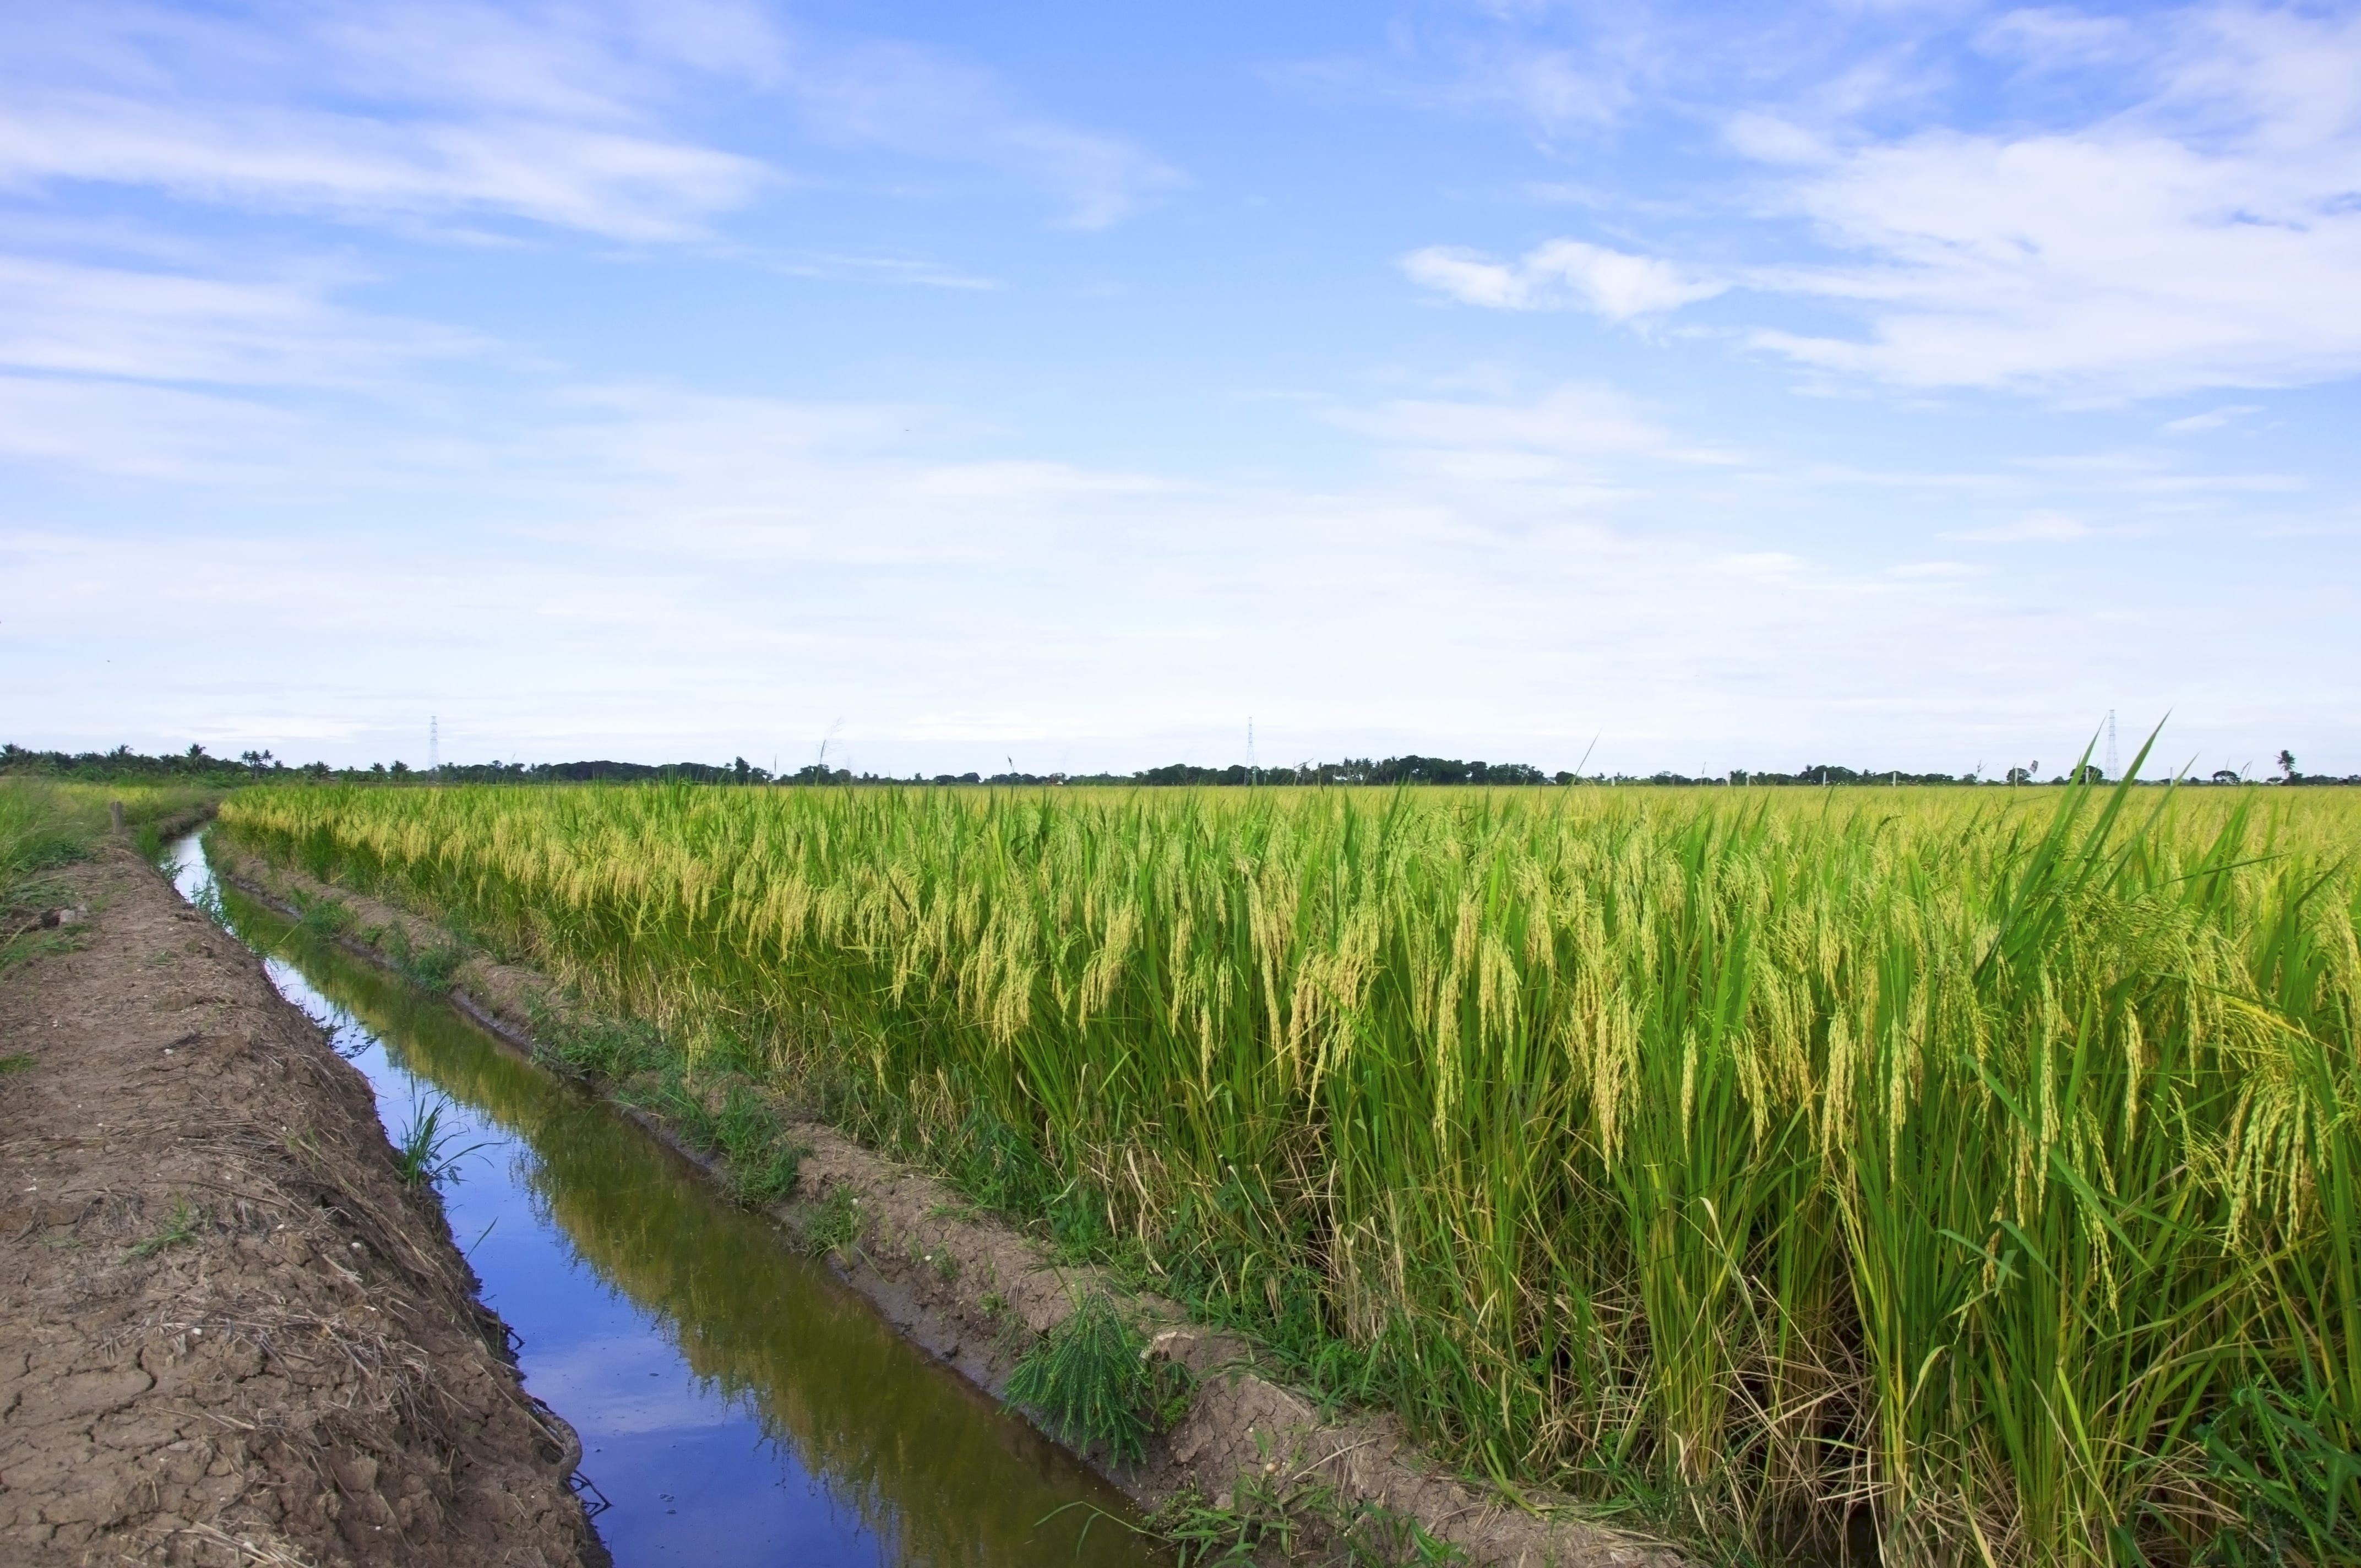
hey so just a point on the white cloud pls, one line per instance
(2205, 237)
(910, 101)
(2213, 419)
(405, 110)
(1558, 274)
(672, 568)
(186, 326)
(577, 117)
(134, 431)
(2033, 528)
(1769, 138)
(2054, 39)
(2085, 208)
(890, 269)
(648, 572)
(1570, 420)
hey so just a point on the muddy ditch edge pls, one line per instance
(309, 1405)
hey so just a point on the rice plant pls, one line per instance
(1093, 1384)
(1757, 1160)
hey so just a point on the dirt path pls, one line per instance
(228, 1334)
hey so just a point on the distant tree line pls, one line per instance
(196, 764)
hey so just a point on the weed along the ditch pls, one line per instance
(734, 1121)
(423, 1151)
(1968, 1171)
(185, 1224)
(1091, 1381)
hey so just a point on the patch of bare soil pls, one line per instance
(975, 1292)
(228, 1334)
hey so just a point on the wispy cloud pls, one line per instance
(440, 111)
(2212, 418)
(890, 269)
(1560, 274)
(2033, 528)
(154, 326)
(2203, 235)
(2190, 223)
(1135, 611)
(591, 117)
(914, 101)
(1574, 419)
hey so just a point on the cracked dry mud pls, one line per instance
(228, 1334)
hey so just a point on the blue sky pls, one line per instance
(1904, 385)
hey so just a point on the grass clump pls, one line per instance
(605, 1051)
(1092, 1385)
(325, 918)
(764, 1162)
(18, 1061)
(834, 1223)
(1269, 1518)
(423, 1155)
(431, 966)
(729, 1118)
(2297, 1486)
(182, 1225)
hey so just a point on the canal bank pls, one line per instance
(737, 1404)
(229, 1333)
(1248, 1458)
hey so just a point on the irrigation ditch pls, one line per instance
(229, 1333)
(1232, 1464)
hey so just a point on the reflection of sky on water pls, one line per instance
(735, 1405)
(692, 1474)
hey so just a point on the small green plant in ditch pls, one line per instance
(325, 918)
(759, 1160)
(1273, 1516)
(1250, 1525)
(431, 967)
(1382, 1537)
(207, 902)
(19, 1061)
(424, 1155)
(764, 1162)
(181, 1225)
(1091, 1381)
(833, 1223)
(604, 1050)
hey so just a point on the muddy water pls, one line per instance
(737, 1405)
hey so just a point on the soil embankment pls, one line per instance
(975, 1291)
(229, 1334)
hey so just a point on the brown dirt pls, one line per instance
(228, 1334)
(958, 1283)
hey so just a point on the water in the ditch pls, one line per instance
(737, 1405)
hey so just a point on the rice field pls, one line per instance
(46, 824)
(1973, 1171)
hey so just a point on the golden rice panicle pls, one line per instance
(1764, 1156)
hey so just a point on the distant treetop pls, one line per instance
(123, 763)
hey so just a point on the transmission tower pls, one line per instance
(434, 745)
(2111, 773)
